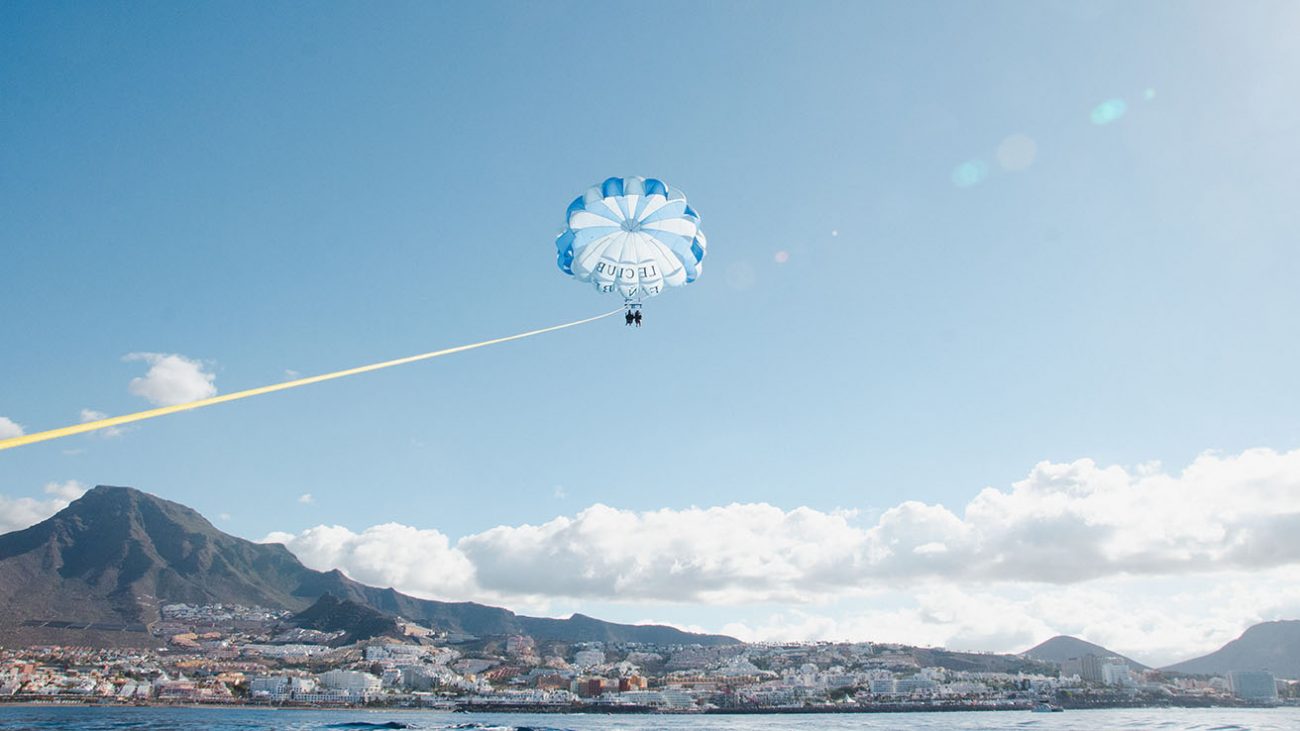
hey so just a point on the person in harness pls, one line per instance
(628, 317)
(637, 317)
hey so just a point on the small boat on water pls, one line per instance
(1045, 707)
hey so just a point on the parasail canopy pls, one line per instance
(635, 236)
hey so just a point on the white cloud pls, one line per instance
(1068, 549)
(1155, 621)
(1065, 523)
(306, 498)
(69, 490)
(19, 513)
(420, 562)
(10, 428)
(1017, 152)
(731, 554)
(108, 432)
(171, 379)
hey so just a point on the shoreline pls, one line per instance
(630, 710)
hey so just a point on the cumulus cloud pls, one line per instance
(723, 554)
(1063, 524)
(1157, 621)
(420, 562)
(1068, 522)
(10, 428)
(108, 432)
(306, 498)
(68, 491)
(171, 379)
(22, 512)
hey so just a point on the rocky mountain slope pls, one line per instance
(1064, 647)
(97, 571)
(1272, 646)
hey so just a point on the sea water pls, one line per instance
(257, 719)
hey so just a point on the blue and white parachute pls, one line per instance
(634, 236)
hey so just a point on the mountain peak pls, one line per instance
(111, 501)
(116, 553)
(356, 621)
(1284, 627)
(1272, 646)
(113, 556)
(1065, 647)
(117, 493)
(116, 489)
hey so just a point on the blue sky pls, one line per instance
(271, 187)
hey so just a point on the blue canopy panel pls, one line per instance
(634, 236)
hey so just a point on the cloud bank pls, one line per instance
(171, 379)
(1063, 524)
(108, 432)
(1159, 565)
(1155, 620)
(387, 555)
(19, 513)
(10, 428)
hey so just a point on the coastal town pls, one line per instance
(223, 654)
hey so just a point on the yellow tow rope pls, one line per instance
(89, 426)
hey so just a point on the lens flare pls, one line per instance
(781, 257)
(969, 173)
(1017, 152)
(740, 276)
(1108, 111)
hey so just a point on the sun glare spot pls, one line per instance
(1017, 152)
(1108, 111)
(740, 276)
(971, 172)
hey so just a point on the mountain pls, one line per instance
(978, 662)
(97, 572)
(357, 621)
(1272, 646)
(1063, 647)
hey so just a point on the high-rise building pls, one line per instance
(1253, 685)
(914, 684)
(587, 687)
(1090, 668)
(882, 686)
(631, 683)
(1116, 673)
(589, 658)
(517, 645)
(351, 681)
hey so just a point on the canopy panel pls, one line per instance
(634, 236)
